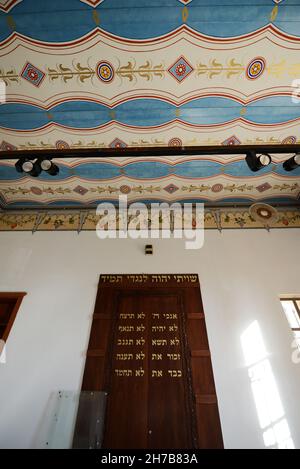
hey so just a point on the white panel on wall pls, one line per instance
(241, 273)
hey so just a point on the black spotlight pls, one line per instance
(30, 167)
(19, 165)
(49, 167)
(292, 163)
(255, 162)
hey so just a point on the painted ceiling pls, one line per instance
(116, 73)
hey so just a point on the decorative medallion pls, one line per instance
(62, 145)
(125, 189)
(263, 187)
(36, 190)
(255, 68)
(34, 75)
(175, 142)
(264, 213)
(180, 69)
(5, 146)
(289, 140)
(233, 140)
(117, 143)
(217, 187)
(80, 190)
(105, 72)
(171, 188)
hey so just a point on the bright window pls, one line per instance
(291, 307)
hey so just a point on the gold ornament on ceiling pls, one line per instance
(185, 14)
(274, 13)
(264, 213)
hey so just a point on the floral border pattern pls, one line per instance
(86, 220)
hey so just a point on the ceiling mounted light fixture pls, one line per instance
(19, 165)
(34, 167)
(255, 162)
(28, 166)
(49, 167)
(292, 163)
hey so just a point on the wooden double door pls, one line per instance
(149, 352)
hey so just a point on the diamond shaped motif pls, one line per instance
(7, 5)
(31, 73)
(171, 188)
(185, 2)
(233, 140)
(5, 146)
(92, 3)
(80, 190)
(117, 143)
(180, 69)
(263, 187)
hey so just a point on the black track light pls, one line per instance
(48, 166)
(34, 167)
(255, 162)
(19, 165)
(292, 163)
(28, 166)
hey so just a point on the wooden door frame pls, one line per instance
(18, 296)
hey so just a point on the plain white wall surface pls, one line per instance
(241, 272)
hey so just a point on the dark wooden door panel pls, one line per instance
(169, 403)
(149, 351)
(126, 417)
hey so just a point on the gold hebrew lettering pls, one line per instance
(127, 316)
(175, 373)
(140, 341)
(158, 328)
(165, 278)
(126, 328)
(124, 356)
(123, 372)
(156, 356)
(159, 342)
(174, 341)
(173, 356)
(156, 373)
(125, 342)
(170, 315)
(139, 372)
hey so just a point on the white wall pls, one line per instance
(242, 272)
